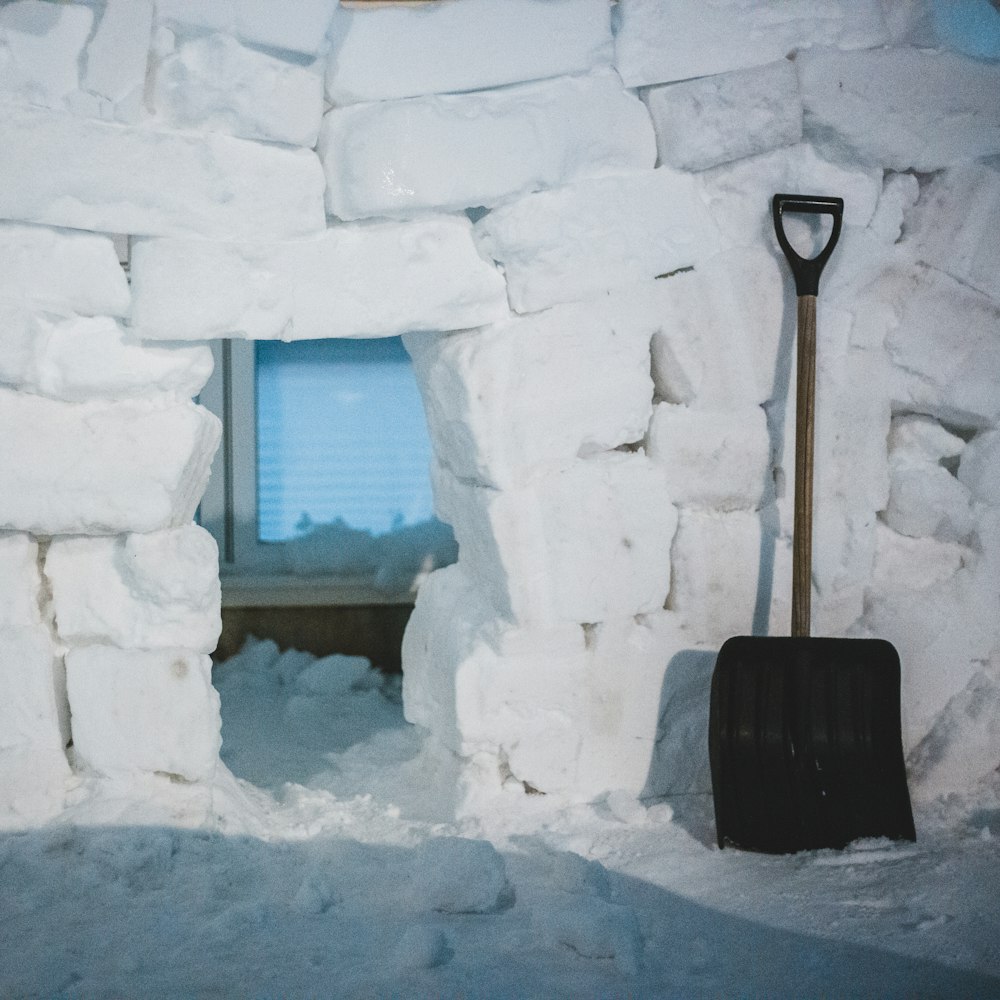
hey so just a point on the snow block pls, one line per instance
(712, 458)
(215, 83)
(302, 26)
(663, 40)
(599, 234)
(77, 358)
(925, 499)
(523, 398)
(941, 336)
(41, 45)
(119, 179)
(566, 709)
(115, 76)
(718, 330)
(456, 151)
(955, 223)
(153, 591)
(739, 194)
(901, 108)
(397, 52)
(979, 468)
(77, 272)
(458, 875)
(702, 123)
(589, 543)
(20, 581)
(374, 279)
(29, 679)
(101, 468)
(144, 711)
(33, 786)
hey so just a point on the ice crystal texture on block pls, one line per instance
(215, 83)
(702, 123)
(664, 40)
(901, 108)
(578, 241)
(77, 358)
(62, 269)
(151, 591)
(300, 27)
(101, 467)
(524, 397)
(144, 711)
(568, 711)
(20, 580)
(29, 709)
(533, 550)
(375, 279)
(42, 44)
(388, 53)
(461, 150)
(718, 459)
(124, 179)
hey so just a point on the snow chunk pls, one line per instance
(901, 108)
(456, 875)
(122, 179)
(41, 45)
(739, 194)
(664, 40)
(140, 710)
(151, 591)
(702, 123)
(115, 76)
(20, 581)
(583, 545)
(599, 234)
(457, 151)
(399, 52)
(712, 458)
(31, 684)
(955, 223)
(979, 467)
(522, 398)
(421, 947)
(942, 339)
(77, 358)
(215, 83)
(302, 26)
(566, 709)
(718, 330)
(62, 269)
(596, 928)
(367, 280)
(102, 467)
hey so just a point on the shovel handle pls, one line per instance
(806, 273)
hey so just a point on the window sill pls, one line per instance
(297, 591)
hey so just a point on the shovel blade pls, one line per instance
(805, 744)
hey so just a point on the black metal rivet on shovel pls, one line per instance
(804, 739)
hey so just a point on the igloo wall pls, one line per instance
(604, 355)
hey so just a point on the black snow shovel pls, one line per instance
(804, 734)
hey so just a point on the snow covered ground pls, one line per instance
(329, 866)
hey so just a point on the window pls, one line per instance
(320, 492)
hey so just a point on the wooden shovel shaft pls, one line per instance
(805, 422)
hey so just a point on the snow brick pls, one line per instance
(979, 467)
(20, 581)
(374, 279)
(456, 151)
(458, 875)
(120, 179)
(30, 680)
(384, 54)
(101, 467)
(659, 41)
(523, 398)
(598, 234)
(702, 123)
(144, 711)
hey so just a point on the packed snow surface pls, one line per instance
(328, 867)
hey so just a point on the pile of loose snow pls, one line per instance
(348, 879)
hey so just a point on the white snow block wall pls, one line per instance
(564, 205)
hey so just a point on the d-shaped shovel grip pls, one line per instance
(807, 271)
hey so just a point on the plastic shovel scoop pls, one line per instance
(804, 734)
